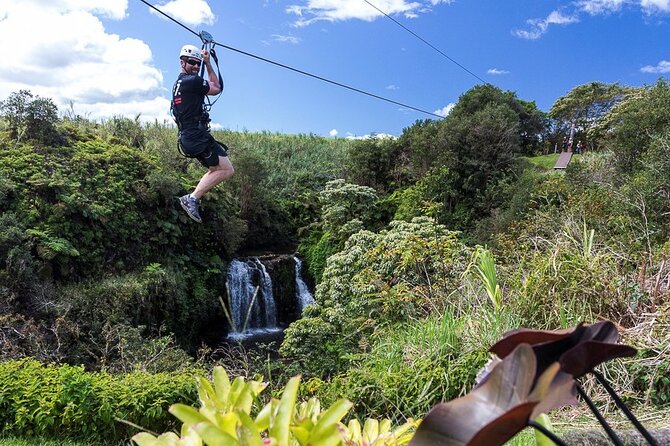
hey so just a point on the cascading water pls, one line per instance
(252, 305)
(303, 294)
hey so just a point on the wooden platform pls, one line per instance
(563, 160)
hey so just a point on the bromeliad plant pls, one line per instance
(225, 419)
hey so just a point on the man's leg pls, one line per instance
(214, 176)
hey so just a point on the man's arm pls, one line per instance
(212, 78)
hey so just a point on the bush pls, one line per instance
(651, 369)
(317, 247)
(161, 300)
(406, 272)
(65, 401)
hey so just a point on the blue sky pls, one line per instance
(119, 58)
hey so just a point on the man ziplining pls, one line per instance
(195, 139)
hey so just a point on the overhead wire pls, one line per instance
(305, 73)
(424, 41)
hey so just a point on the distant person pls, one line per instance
(580, 147)
(195, 139)
(564, 144)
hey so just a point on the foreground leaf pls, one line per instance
(492, 413)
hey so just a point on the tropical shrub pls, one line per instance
(427, 197)
(124, 131)
(161, 300)
(345, 209)
(65, 401)
(405, 272)
(278, 178)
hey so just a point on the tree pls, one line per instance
(41, 119)
(30, 116)
(531, 121)
(419, 147)
(631, 125)
(480, 149)
(585, 105)
(374, 162)
(15, 111)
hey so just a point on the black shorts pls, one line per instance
(200, 144)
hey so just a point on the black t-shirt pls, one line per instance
(188, 95)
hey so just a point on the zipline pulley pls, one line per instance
(206, 38)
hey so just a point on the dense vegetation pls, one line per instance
(100, 268)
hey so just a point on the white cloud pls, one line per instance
(392, 87)
(81, 63)
(444, 111)
(311, 11)
(596, 7)
(371, 136)
(190, 12)
(496, 71)
(333, 133)
(653, 6)
(540, 26)
(662, 67)
(289, 39)
(113, 9)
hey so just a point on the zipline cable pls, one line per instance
(305, 73)
(424, 41)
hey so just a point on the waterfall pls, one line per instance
(252, 304)
(302, 292)
(257, 309)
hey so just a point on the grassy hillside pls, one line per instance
(99, 266)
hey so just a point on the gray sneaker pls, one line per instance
(190, 205)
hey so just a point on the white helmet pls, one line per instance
(190, 51)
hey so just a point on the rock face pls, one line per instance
(282, 271)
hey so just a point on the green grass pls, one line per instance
(524, 438)
(544, 161)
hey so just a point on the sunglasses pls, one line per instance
(192, 62)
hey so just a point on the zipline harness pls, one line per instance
(208, 44)
(184, 117)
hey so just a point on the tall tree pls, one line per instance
(30, 116)
(585, 105)
(630, 128)
(531, 122)
(419, 147)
